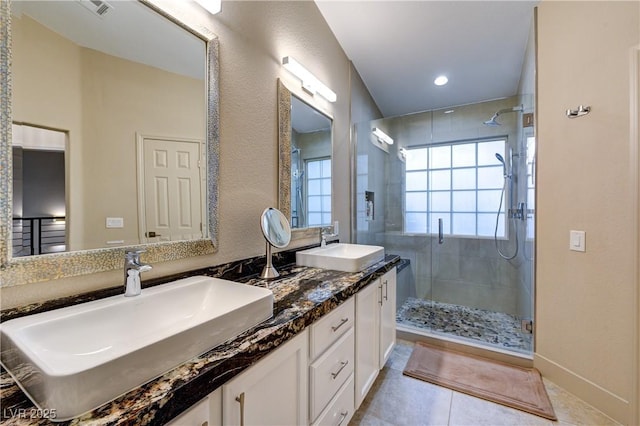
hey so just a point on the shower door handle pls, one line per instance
(440, 231)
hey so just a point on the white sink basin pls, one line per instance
(77, 358)
(341, 257)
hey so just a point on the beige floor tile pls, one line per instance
(365, 419)
(401, 400)
(467, 410)
(572, 410)
(400, 355)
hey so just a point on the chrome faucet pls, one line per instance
(328, 232)
(132, 269)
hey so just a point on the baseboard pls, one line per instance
(609, 403)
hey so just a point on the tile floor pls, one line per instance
(495, 328)
(399, 400)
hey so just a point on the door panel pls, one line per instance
(172, 188)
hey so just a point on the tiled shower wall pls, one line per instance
(464, 271)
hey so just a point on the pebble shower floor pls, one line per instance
(495, 328)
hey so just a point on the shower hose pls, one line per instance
(495, 233)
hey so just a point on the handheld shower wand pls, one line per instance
(504, 165)
(507, 180)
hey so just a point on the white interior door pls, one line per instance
(172, 187)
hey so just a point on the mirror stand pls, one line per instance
(269, 271)
(277, 231)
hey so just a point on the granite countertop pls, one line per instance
(301, 296)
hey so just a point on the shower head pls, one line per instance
(492, 121)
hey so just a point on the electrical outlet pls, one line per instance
(115, 222)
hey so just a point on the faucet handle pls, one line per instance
(134, 251)
(133, 254)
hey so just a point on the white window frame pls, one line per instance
(324, 209)
(431, 216)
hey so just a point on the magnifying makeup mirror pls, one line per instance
(277, 232)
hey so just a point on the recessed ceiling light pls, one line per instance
(449, 111)
(441, 80)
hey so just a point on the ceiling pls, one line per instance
(400, 47)
(128, 30)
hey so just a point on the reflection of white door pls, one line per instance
(170, 184)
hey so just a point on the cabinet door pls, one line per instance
(198, 415)
(388, 316)
(367, 339)
(272, 392)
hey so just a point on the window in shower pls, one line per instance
(319, 191)
(459, 182)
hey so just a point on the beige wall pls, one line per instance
(122, 100)
(45, 63)
(587, 303)
(103, 102)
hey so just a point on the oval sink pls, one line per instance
(341, 257)
(77, 358)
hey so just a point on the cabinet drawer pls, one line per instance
(329, 372)
(340, 409)
(331, 327)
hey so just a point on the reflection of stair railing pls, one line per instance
(38, 235)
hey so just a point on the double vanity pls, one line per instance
(217, 345)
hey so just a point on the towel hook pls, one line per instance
(582, 110)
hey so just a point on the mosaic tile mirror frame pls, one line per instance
(15, 271)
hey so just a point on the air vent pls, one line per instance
(97, 7)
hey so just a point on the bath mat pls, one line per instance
(516, 387)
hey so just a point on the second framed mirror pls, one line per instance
(305, 150)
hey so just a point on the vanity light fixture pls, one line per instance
(310, 82)
(382, 136)
(211, 6)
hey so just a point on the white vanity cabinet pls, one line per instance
(375, 331)
(207, 412)
(319, 377)
(274, 391)
(331, 367)
(387, 316)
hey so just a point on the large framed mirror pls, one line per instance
(109, 137)
(305, 162)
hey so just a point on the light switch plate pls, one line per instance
(577, 241)
(115, 222)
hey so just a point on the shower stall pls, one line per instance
(454, 197)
